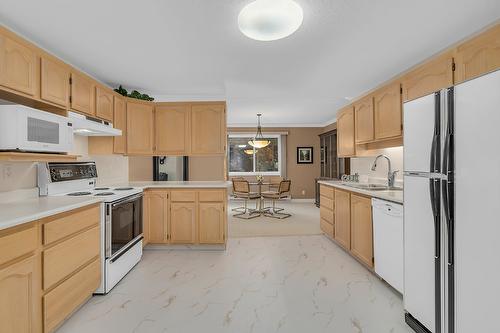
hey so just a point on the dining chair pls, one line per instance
(241, 190)
(240, 208)
(282, 193)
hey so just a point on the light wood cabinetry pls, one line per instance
(54, 81)
(327, 210)
(428, 78)
(208, 129)
(156, 217)
(363, 120)
(211, 222)
(345, 133)
(17, 244)
(362, 229)
(120, 122)
(82, 94)
(18, 65)
(478, 56)
(140, 128)
(173, 129)
(183, 222)
(20, 297)
(104, 103)
(343, 218)
(388, 112)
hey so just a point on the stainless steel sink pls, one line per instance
(372, 187)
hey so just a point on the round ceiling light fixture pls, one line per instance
(267, 20)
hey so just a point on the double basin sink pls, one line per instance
(372, 187)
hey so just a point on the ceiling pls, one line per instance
(193, 50)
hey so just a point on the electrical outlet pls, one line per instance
(303, 192)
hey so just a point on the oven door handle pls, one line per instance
(127, 200)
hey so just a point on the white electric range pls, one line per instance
(121, 215)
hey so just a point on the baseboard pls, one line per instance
(303, 200)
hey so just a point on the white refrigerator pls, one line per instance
(452, 208)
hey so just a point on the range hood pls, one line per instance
(88, 126)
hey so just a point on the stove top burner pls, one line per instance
(124, 188)
(77, 194)
(103, 194)
(101, 188)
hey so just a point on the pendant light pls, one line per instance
(249, 151)
(258, 141)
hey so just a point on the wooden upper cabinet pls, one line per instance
(362, 229)
(140, 128)
(104, 103)
(343, 218)
(478, 56)
(208, 129)
(173, 130)
(432, 76)
(18, 64)
(82, 94)
(212, 222)
(363, 111)
(388, 112)
(157, 218)
(54, 82)
(345, 133)
(20, 303)
(183, 222)
(120, 122)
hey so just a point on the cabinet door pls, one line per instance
(104, 103)
(388, 112)
(363, 111)
(17, 66)
(157, 216)
(362, 229)
(55, 82)
(208, 125)
(343, 218)
(183, 222)
(478, 56)
(82, 94)
(345, 133)
(120, 122)
(140, 129)
(20, 301)
(173, 134)
(428, 78)
(212, 222)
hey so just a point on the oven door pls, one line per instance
(123, 225)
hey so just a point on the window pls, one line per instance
(246, 160)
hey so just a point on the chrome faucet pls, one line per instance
(391, 175)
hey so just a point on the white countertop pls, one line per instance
(394, 196)
(27, 210)
(180, 184)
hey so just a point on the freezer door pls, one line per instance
(419, 252)
(477, 200)
(421, 121)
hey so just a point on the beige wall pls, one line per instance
(206, 168)
(140, 168)
(301, 175)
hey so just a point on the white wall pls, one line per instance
(362, 165)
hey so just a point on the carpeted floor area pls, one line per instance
(304, 221)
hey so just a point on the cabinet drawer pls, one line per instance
(69, 295)
(326, 214)
(211, 196)
(327, 202)
(326, 191)
(183, 196)
(15, 244)
(326, 227)
(65, 258)
(69, 223)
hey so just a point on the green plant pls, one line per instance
(134, 94)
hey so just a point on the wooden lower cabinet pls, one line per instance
(183, 222)
(156, 217)
(211, 222)
(362, 229)
(343, 218)
(20, 285)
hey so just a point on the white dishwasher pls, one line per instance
(388, 241)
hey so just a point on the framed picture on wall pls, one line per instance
(304, 155)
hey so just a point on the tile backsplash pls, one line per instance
(363, 165)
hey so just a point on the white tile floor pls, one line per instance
(268, 284)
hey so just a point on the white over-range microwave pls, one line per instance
(26, 129)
